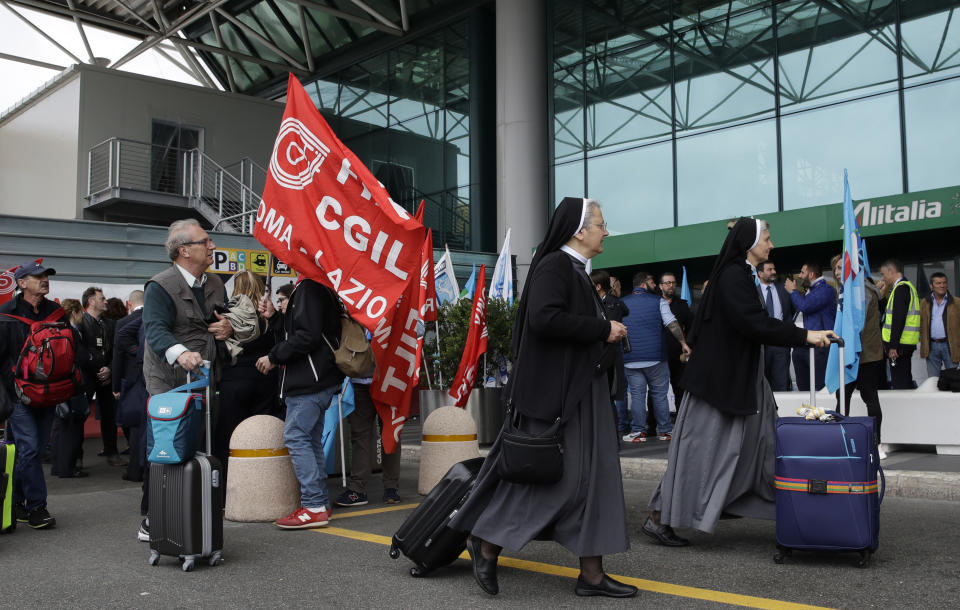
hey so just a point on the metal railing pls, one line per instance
(227, 201)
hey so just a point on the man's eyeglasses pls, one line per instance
(668, 283)
(199, 242)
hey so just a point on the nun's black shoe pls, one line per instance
(484, 570)
(607, 587)
(663, 534)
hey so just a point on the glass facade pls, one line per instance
(674, 112)
(406, 114)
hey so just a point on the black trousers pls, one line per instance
(67, 445)
(107, 412)
(868, 382)
(776, 367)
(901, 372)
(244, 392)
(801, 366)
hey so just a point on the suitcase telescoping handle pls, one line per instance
(205, 371)
(813, 369)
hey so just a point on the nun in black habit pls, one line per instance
(558, 345)
(721, 459)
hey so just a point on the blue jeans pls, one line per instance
(30, 428)
(658, 378)
(303, 434)
(939, 358)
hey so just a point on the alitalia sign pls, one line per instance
(908, 212)
(888, 215)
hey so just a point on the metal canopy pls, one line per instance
(243, 45)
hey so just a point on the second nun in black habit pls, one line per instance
(721, 460)
(558, 344)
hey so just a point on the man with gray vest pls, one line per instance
(646, 363)
(901, 324)
(178, 304)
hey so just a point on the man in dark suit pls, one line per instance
(97, 333)
(776, 359)
(128, 385)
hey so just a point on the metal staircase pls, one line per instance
(123, 173)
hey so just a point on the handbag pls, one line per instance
(532, 459)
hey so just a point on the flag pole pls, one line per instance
(343, 451)
(439, 369)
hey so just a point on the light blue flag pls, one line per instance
(332, 419)
(501, 283)
(685, 289)
(467, 292)
(851, 310)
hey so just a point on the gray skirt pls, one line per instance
(584, 511)
(719, 464)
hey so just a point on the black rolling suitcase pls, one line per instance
(186, 506)
(425, 537)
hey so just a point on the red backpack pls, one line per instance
(45, 373)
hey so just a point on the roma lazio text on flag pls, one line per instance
(476, 344)
(324, 214)
(501, 284)
(851, 309)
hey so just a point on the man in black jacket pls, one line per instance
(129, 388)
(29, 426)
(776, 358)
(309, 380)
(98, 332)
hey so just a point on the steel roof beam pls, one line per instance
(260, 37)
(323, 8)
(374, 13)
(32, 62)
(226, 58)
(79, 24)
(41, 32)
(91, 18)
(156, 38)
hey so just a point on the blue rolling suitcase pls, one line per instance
(826, 479)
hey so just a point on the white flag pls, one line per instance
(501, 284)
(448, 291)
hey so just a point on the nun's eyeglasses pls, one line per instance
(602, 225)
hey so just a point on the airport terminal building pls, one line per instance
(677, 115)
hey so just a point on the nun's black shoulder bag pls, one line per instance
(533, 459)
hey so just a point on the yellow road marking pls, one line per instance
(722, 597)
(374, 511)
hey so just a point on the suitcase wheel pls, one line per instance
(394, 552)
(188, 564)
(154, 558)
(215, 558)
(417, 572)
(782, 552)
(864, 560)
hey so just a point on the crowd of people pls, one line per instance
(127, 352)
(724, 359)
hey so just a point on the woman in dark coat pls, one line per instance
(721, 459)
(559, 334)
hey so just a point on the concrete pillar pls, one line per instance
(522, 123)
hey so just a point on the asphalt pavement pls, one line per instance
(93, 560)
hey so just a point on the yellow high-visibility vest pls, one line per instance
(911, 328)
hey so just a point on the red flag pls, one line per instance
(476, 343)
(324, 214)
(419, 214)
(428, 286)
(7, 285)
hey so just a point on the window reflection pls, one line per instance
(641, 202)
(861, 136)
(933, 135)
(727, 173)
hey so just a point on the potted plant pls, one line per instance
(441, 362)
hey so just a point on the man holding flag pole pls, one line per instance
(857, 321)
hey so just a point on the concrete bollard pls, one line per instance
(449, 436)
(262, 485)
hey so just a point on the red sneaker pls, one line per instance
(303, 519)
